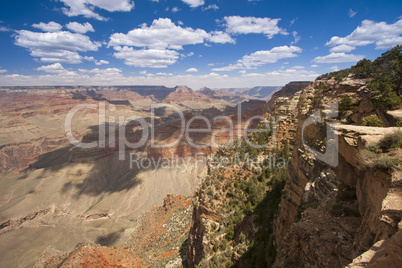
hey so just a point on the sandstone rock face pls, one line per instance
(309, 229)
(203, 216)
(287, 91)
(384, 253)
(185, 94)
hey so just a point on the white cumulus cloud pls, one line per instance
(48, 27)
(152, 58)
(108, 71)
(382, 34)
(334, 68)
(53, 68)
(97, 62)
(247, 25)
(213, 6)
(159, 42)
(262, 57)
(162, 33)
(338, 58)
(192, 70)
(86, 7)
(342, 48)
(220, 37)
(194, 3)
(62, 46)
(80, 28)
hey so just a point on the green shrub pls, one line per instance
(242, 238)
(346, 105)
(375, 148)
(215, 247)
(386, 162)
(210, 192)
(372, 121)
(385, 73)
(391, 141)
(230, 233)
(229, 264)
(224, 245)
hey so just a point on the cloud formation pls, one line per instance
(342, 48)
(48, 27)
(296, 37)
(61, 46)
(152, 58)
(213, 6)
(53, 68)
(162, 33)
(382, 34)
(4, 29)
(262, 57)
(159, 42)
(194, 3)
(351, 13)
(80, 28)
(86, 7)
(335, 57)
(247, 25)
(192, 70)
(115, 77)
(97, 62)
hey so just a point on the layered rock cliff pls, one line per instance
(340, 203)
(336, 205)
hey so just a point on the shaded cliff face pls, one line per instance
(287, 91)
(330, 214)
(332, 208)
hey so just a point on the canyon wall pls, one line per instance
(336, 207)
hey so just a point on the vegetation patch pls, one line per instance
(386, 162)
(384, 73)
(372, 121)
(381, 155)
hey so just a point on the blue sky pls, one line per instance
(221, 43)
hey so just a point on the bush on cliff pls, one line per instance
(385, 73)
(372, 121)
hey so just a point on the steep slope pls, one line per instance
(287, 91)
(332, 212)
(156, 241)
(339, 201)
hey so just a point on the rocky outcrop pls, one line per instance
(315, 226)
(287, 91)
(157, 241)
(203, 216)
(185, 94)
(10, 225)
(384, 253)
(18, 156)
